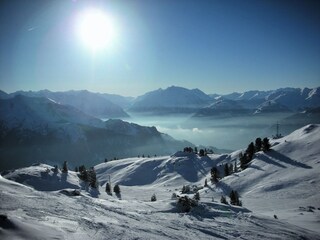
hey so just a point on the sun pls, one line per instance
(95, 29)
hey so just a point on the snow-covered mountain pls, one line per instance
(91, 103)
(248, 95)
(284, 101)
(171, 100)
(38, 113)
(279, 191)
(292, 98)
(34, 129)
(223, 108)
(271, 107)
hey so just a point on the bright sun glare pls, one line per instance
(95, 29)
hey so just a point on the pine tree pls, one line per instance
(76, 169)
(230, 168)
(108, 188)
(235, 166)
(250, 151)
(234, 198)
(196, 150)
(196, 196)
(258, 144)
(55, 169)
(266, 144)
(226, 170)
(214, 174)
(153, 198)
(92, 178)
(65, 167)
(205, 183)
(223, 200)
(201, 153)
(83, 173)
(116, 189)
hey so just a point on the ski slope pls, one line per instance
(39, 204)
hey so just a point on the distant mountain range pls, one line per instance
(175, 100)
(284, 100)
(94, 104)
(34, 129)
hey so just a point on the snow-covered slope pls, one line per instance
(173, 99)
(271, 107)
(165, 171)
(283, 182)
(42, 177)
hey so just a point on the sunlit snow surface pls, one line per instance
(283, 182)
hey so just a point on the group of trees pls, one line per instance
(88, 176)
(230, 168)
(252, 148)
(234, 199)
(116, 188)
(201, 152)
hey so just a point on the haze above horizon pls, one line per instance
(218, 47)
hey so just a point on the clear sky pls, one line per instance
(216, 46)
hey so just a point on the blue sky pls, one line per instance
(216, 46)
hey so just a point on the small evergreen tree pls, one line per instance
(108, 188)
(65, 167)
(226, 170)
(205, 183)
(83, 173)
(250, 151)
(55, 169)
(196, 196)
(223, 200)
(258, 144)
(185, 203)
(214, 175)
(230, 168)
(92, 178)
(116, 189)
(76, 169)
(266, 144)
(235, 166)
(244, 160)
(234, 198)
(201, 153)
(196, 150)
(185, 189)
(153, 198)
